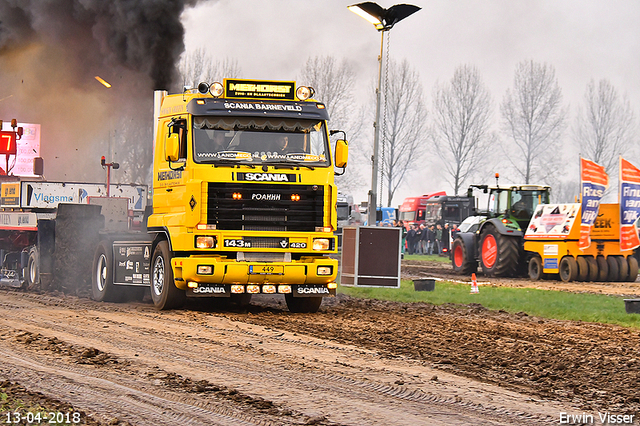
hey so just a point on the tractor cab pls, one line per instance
(516, 203)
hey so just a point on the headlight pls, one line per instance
(321, 244)
(204, 242)
(325, 270)
(205, 269)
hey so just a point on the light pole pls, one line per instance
(383, 19)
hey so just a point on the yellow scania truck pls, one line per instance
(243, 202)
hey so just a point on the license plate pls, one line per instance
(266, 269)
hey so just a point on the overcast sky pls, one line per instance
(583, 40)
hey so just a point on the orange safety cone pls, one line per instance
(474, 284)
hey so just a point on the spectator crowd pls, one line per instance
(432, 239)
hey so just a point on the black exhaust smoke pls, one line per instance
(145, 36)
(50, 53)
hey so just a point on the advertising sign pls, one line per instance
(594, 181)
(256, 89)
(132, 260)
(629, 197)
(50, 194)
(552, 221)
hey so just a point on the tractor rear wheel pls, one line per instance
(633, 268)
(535, 268)
(603, 268)
(568, 269)
(593, 268)
(498, 253)
(460, 260)
(583, 268)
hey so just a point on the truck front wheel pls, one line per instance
(102, 287)
(164, 293)
(303, 305)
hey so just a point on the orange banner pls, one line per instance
(593, 172)
(594, 182)
(629, 197)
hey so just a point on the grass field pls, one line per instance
(542, 303)
(431, 257)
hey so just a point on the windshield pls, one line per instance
(451, 213)
(432, 212)
(411, 215)
(524, 202)
(260, 141)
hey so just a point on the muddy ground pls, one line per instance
(356, 362)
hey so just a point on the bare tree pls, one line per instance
(461, 124)
(534, 118)
(199, 66)
(403, 125)
(605, 127)
(334, 83)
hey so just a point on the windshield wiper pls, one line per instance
(300, 163)
(223, 162)
(287, 164)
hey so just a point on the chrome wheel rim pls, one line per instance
(101, 272)
(158, 275)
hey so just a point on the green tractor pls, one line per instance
(496, 242)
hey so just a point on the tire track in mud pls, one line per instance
(100, 392)
(289, 373)
(350, 388)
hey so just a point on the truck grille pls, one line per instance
(265, 207)
(265, 243)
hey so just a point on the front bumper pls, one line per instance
(306, 270)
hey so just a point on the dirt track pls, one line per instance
(356, 362)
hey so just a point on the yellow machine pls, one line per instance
(244, 200)
(552, 242)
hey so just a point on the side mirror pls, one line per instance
(342, 153)
(172, 147)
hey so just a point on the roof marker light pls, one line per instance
(216, 89)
